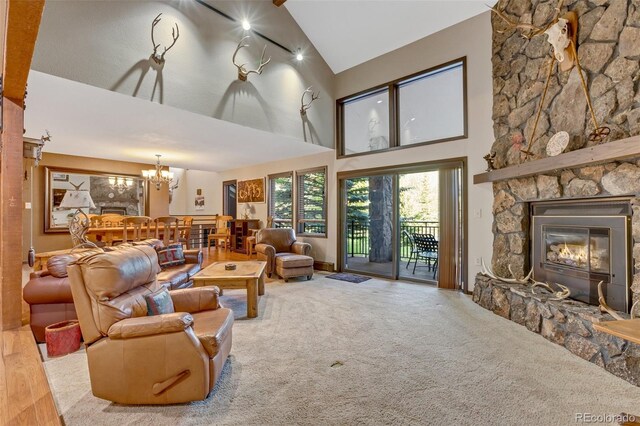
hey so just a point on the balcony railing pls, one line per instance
(359, 241)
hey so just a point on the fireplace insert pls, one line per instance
(580, 243)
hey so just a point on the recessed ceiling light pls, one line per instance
(246, 25)
(413, 119)
(380, 101)
(299, 55)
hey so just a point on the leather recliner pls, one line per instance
(139, 359)
(283, 254)
(49, 295)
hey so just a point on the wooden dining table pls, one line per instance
(109, 234)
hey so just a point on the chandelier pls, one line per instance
(159, 175)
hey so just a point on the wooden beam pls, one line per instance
(278, 2)
(23, 22)
(617, 150)
(20, 30)
(11, 166)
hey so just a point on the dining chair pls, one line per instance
(167, 228)
(109, 220)
(426, 249)
(185, 234)
(141, 227)
(223, 232)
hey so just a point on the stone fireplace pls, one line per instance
(541, 219)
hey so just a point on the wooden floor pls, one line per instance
(25, 396)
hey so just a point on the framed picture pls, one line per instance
(199, 202)
(251, 191)
(60, 177)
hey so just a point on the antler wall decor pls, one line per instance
(562, 35)
(304, 107)
(175, 34)
(243, 73)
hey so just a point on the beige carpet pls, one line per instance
(331, 352)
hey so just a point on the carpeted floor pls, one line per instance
(330, 352)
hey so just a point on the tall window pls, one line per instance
(366, 122)
(431, 105)
(311, 217)
(422, 108)
(281, 200)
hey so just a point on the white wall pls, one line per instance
(183, 200)
(107, 44)
(472, 39)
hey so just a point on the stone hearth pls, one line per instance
(609, 50)
(567, 323)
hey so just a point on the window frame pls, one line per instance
(394, 111)
(300, 203)
(289, 174)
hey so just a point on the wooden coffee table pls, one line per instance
(249, 275)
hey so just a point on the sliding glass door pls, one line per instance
(419, 225)
(404, 222)
(369, 224)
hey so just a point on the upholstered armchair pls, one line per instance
(283, 254)
(139, 359)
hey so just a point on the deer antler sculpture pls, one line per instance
(488, 272)
(606, 308)
(175, 33)
(530, 29)
(304, 107)
(243, 73)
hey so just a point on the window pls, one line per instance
(311, 207)
(426, 107)
(431, 106)
(366, 122)
(281, 200)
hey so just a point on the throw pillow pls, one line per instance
(159, 303)
(171, 255)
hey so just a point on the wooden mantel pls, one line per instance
(617, 150)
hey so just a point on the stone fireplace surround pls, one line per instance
(568, 322)
(609, 51)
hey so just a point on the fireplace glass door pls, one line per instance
(584, 249)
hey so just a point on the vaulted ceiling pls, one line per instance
(350, 32)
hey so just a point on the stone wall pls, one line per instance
(609, 51)
(568, 323)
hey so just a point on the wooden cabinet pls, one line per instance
(240, 230)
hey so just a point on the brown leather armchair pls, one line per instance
(139, 359)
(283, 254)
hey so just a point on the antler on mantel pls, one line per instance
(529, 30)
(175, 34)
(304, 107)
(243, 73)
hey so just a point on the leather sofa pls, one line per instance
(283, 254)
(49, 295)
(138, 359)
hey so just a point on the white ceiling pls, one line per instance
(92, 122)
(350, 32)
